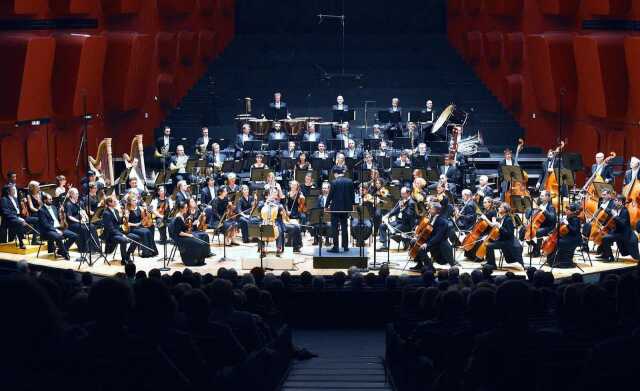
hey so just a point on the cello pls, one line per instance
(535, 222)
(518, 188)
(550, 244)
(632, 193)
(423, 232)
(493, 235)
(588, 191)
(475, 234)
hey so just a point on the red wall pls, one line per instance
(134, 68)
(528, 51)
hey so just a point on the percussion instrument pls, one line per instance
(260, 127)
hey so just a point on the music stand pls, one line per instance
(520, 204)
(280, 113)
(319, 164)
(317, 220)
(260, 174)
(512, 173)
(259, 231)
(122, 179)
(403, 174)
(335, 144)
(599, 187)
(161, 179)
(341, 116)
(417, 116)
(228, 166)
(301, 174)
(97, 215)
(252, 146)
(309, 146)
(565, 177)
(372, 144)
(572, 161)
(402, 143)
(388, 117)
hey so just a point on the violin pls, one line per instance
(24, 208)
(202, 222)
(189, 223)
(125, 221)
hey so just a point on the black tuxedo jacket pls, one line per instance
(112, 224)
(606, 174)
(240, 142)
(341, 196)
(45, 220)
(205, 195)
(9, 213)
(344, 107)
(160, 144)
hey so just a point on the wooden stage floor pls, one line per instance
(245, 256)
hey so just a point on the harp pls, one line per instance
(135, 160)
(102, 164)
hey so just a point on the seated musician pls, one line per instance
(404, 212)
(507, 161)
(376, 133)
(607, 202)
(134, 214)
(34, 202)
(376, 185)
(321, 153)
(220, 218)
(450, 170)
(444, 184)
(547, 226)
(361, 228)
(483, 189)
(164, 144)
(466, 218)
(231, 185)
(161, 207)
(271, 183)
(132, 187)
(326, 226)
(411, 131)
(91, 199)
(421, 156)
(290, 152)
(437, 245)
(182, 192)
(208, 192)
(193, 247)
(507, 242)
(302, 164)
(61, 187)
(295, 209)
(215, 158)
(567, 243)
(11, 218)
(489, 213)
(178, 164)
(202, 143)
(91, 177)
(51, 229)
(273, 207)
(403, 160)
(244, 136)
(259, 163)
(352, 151)
(622, 234)
(369, 164)
(79, 223)
(344, 134)
(311, 134)
(12, 177)
(246, 204)
(308, 184)
(605, 171)
(384, 150)
(277, 134)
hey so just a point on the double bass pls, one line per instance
(550, 179)
(518, 188)
(631, 192)
(588, 192)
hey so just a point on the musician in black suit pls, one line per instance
(622, 234)
(311, 133)
(450, 170)
(483, 189)
(113, 233)
(352, 151)
(10, 207)
(548, 167)
(165, 141)
(182, 193)
(601, 168)
(404, 212)
(340, 201)
(344, 134)
(466, 217)
(607, 203)
(568, 242)
(437, 245)
(50, 228)
(511, 248)
(245, 135)
(290, 152)
(208, 192)
(546, 227)
(431, 117)
(633, 172)
(278, 107)
(403, 160)
(508, 160)
(340, 106)
(203, 142)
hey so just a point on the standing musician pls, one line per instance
(431, 118)
(208, 192)
(178, 164)
(202, 143)
(113, 233)
(10, 206)
(308, 184)
(246, 204)
(605, 171)
(241, 138)
(134, 214)
(405, 214)
(165, 143)
(79, 223)
(545, 207)
(182, 192)
(340, 201)
(507, 242)
(622, 234)
(466, 218)
(437, 245)
(569, 240)
(220, 215)
(395, 128)
(216, 158)
(51, 228)
(193, 246)
(92, 199)
(311, 134)
(161, 207)
(507, 161)
(548, 166)
(277, 106)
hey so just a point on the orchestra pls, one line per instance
(430, 211)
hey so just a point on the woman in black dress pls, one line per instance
(134, 215)
(193, 246)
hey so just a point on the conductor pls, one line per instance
(340, 202)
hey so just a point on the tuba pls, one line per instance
(470, 145)
(102, 164)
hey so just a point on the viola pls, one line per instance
(423, 232)
(202, 222)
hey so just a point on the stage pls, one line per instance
(245, 256)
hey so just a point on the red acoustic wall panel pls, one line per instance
(474, 49)
(511, 8)
(126, 70)
(472, 7)
(602, 74)
(513, 92)
(608, 7)
(632, 57)
(25, 72)
(134, 67)
(558, 7)
(78, 69)
(513, 49)
(493, 47)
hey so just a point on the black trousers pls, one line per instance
(339, 221)
(122, 240)
(58, 237)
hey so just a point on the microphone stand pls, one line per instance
(165, 259)
(84, 146)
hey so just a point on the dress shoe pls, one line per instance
(315, 242)
(383, 248)
(333, 250)
(211, 254)
(345, 249)
(65, 255)
(296, 249)
(417, 268)
(21, 246)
